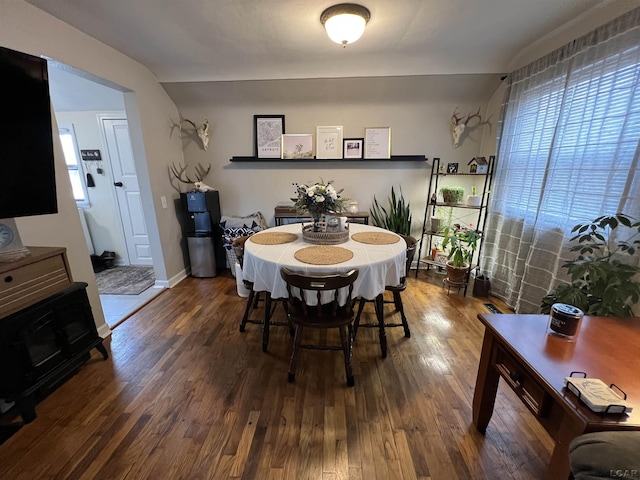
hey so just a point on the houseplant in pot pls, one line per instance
(452, 195)
(459, 244)
(604, 275)
(474, 199)
(396, 217)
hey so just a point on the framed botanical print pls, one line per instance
(267, 133)
(297, 146)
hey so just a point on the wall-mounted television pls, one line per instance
(27, 176)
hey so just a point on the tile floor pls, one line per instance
(118, 307)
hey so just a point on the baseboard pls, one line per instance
(104, 331)
(173, 281)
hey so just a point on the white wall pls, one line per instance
(28, 29)
(418, 110)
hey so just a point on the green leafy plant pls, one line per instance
(452, 195)
(396, 217)
(601, 283)
(460, 244)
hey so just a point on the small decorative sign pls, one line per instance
(88, 155)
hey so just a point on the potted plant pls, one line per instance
(398, 216)
(397, 219)
(474, 200)
(452, 195)
(459, 244)
(602, 284)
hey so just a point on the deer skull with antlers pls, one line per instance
(202, 130)
(458, 126)
(181, 175)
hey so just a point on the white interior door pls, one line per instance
(125, 182)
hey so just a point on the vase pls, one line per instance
(316, 221)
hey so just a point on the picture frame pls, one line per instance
(452, 168)
(377, 142)
(353, 148)
(329, 142)
(441, 258)
(267, 133)
(295, 146)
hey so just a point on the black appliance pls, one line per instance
(204, 236)
(27, 183)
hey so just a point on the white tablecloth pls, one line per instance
(379, 265)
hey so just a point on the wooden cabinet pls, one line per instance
(33, 278)
(44, 343)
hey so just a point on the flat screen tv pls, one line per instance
(27, 177)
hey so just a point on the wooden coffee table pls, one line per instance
(534, 364)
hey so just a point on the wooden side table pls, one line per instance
(534, 364)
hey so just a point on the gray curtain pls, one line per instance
(568, 151)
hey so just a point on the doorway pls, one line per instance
(113, 215)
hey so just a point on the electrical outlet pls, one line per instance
(163, 201)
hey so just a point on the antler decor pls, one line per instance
(202, 130)
(458, 126)
(180, 173)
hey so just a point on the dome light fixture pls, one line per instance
(345, 22)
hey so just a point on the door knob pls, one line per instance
(118, 184)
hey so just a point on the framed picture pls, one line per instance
(441, 258)
(352, 147)
(297, 145)
(452, 168)
(267, 131)
(377, 142)
(328, 142)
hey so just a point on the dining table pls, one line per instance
(379, 264)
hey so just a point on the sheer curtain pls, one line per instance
(568, 151)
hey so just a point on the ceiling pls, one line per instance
(213, 40)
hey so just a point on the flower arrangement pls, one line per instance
(319, 198)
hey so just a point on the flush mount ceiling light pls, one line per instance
(345, 22)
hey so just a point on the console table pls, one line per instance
(534, 364)
(281, 214)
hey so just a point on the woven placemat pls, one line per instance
(376, 238)
(273, 238)
(323, 255)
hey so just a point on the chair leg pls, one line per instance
(245, 317)
(379, 303)
(398, 301)
(265, 324)
(294, 355)
(356, 323)
(345, 337)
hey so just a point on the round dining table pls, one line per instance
(378, 265)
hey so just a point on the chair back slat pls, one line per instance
(319, 296)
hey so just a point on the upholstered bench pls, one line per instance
(606, 455)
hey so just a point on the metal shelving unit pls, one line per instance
(427, 236)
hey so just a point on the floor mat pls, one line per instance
(127, 280)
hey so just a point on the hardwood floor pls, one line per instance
(186, 395)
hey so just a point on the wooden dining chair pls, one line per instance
(254, 298)
(307, 310)
(380, 301)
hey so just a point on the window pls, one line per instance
(569, 143)
(74, 165)
(568, 152)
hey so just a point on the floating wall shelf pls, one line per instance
(393, 158)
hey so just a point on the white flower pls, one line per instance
(319, 198)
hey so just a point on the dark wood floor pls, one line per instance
(186, 395)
